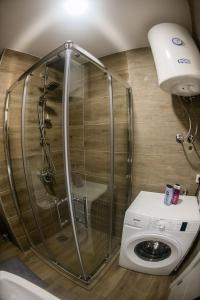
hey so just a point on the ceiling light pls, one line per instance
(76, 7)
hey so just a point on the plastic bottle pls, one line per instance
(176, 193)
(168, 194)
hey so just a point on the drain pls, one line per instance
(62, 238)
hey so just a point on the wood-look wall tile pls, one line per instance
(96, 110)
(120, 107)
(23, 198)
(75, 111)
(96, 179)
(97, 163)
(18, 173)
(24, 243)
(2, 146)
(77, 158)
(140, 57)
(8, 203)
(13, 64)
(16, 226)
(15, 102)
(60, 186)
(32, 143)
(117, 63)
(17, 62)
(76, 138)
(97, 137)
(96, 86)
(4, 182)
(121, 136)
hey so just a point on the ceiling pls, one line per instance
(110, 26)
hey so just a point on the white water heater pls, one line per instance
(177, 59)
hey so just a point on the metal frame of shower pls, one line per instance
(68, 47)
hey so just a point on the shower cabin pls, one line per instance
(69, 159)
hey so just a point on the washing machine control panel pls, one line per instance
(147, 222)
(161, 225)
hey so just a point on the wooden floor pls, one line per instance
(116, 284)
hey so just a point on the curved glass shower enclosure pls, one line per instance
(68, 149)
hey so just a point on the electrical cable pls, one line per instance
(188, 115)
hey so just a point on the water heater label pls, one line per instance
(184, 61)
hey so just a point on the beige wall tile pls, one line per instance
(8, 204)
(76, 137)
(158, 117)
(96, 110)
(97, 137)
(13, 64)
(97, 163)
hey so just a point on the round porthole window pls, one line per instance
(152, 250)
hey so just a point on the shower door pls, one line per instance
(15, 166)
(73, 222)
(122, 158)
(42, 147)
(90, 168)
(68, 158)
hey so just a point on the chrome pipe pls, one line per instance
(112, 171)
(85, 211)
(8, 159)
(67, 165)
(130, 143)
(180, 138)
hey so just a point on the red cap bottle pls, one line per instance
(176, 193)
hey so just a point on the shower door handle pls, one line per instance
(57, 204)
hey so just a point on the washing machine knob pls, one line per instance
(161, 225)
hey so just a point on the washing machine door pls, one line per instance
(153, 251)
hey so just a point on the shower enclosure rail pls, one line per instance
(68, 48)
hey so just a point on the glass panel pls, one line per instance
(15, 103)
(90, 159)
(45, 162)
(121, 154)
(152, 250)
(45, 208)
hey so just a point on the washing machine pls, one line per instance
(156, 237)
